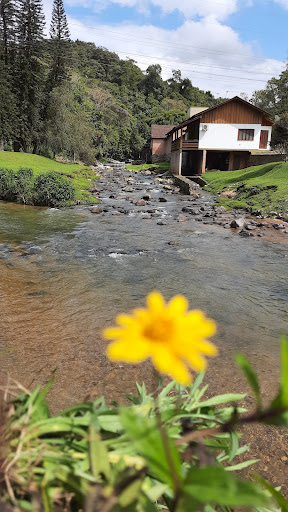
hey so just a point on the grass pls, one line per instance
(262, 187)
(81, 176)
(162, 166)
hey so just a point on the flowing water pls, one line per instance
(66, 273)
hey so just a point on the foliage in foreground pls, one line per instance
(173, 452)
(262, 187)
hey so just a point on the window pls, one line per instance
(245, 134)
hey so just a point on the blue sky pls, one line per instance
(226, 46)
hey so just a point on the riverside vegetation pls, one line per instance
(36, 180)
(259, 188)
(171, 450)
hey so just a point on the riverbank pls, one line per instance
(119, 193)
(81, 177)
(261, 189)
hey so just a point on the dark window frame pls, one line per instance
(246, 134)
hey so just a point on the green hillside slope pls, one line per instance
(82, 177)
(263, 187)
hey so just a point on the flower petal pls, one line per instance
(128, 351)
(124, 320)
(156, 303)
(112, 332)
(196, 361)
(178, 305)
(167, 362)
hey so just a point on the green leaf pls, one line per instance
(214, 484)
(110, 422)
(98, 454)
(155, 492)
(251, 376)
(148, 441)
(234, 445)
(281, 400)
(130, 493)
(241, 465)
(222, 399)
(283, 504)
(165, 391)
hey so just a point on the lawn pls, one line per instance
(162, 166)
(262, 187)
(81, 176)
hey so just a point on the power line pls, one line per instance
(197, 64)
(191, 70)
(165, 43)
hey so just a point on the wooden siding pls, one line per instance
(186, 144)
(232, 113)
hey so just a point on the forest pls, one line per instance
(81, 102)
(70, 98)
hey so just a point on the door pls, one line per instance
(263, 139)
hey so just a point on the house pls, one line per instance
(219, 138)
(160, 146)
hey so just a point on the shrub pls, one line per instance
(8, 185)
(51, 189)
(24, 186)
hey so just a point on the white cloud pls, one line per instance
(282, 3)
(209, 53)
(205, 8)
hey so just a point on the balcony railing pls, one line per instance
(186, 144)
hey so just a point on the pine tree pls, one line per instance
(7, 49)
(29, 73)
(7, 29)
(60, 36)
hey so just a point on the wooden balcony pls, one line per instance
(186, 144)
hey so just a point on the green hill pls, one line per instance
(82, 177)
(263, 187)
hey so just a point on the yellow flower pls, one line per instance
(173, 337)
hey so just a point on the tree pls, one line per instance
(7, 29)
(153, 83)
(60, 36)
(279, 139)
(7, 48)
(28, 80)
(68, 131)
(274, 98)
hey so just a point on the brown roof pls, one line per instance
(198, 116)
(159, 131)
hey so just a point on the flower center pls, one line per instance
(159, 331)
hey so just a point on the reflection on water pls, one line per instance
(66, 273)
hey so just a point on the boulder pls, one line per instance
(181, 218)
(238, 223)
(162, 200)
(220, 209)
(245, 233)
(140, 202)
(96, 209)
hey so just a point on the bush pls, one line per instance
(51, 189)
(8, 185)
(24, 186)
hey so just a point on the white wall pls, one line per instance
(225, 136)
